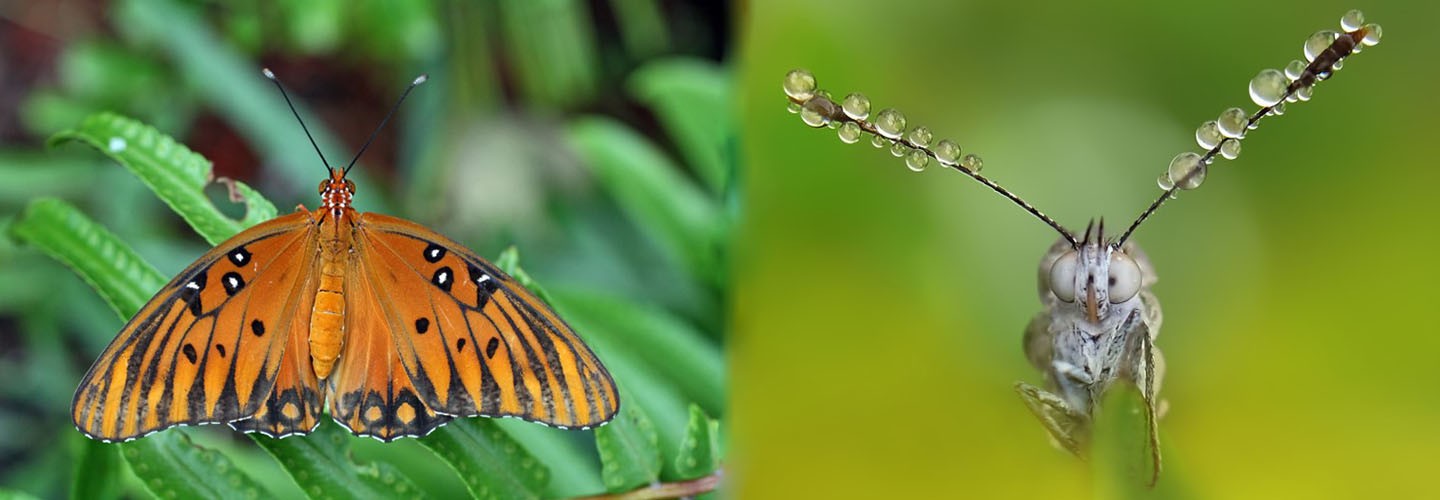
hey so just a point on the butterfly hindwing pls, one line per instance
(474, 341)
(190, 355)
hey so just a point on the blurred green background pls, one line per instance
(879, 312)
(594, 136)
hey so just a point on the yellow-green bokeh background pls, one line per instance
(878, 312)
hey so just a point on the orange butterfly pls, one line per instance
(399, 328)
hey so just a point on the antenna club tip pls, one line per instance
(420, 79)
(268, 74)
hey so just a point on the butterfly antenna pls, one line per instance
(271, 75)
(418, 80)
(887, 127)
(1271, 89)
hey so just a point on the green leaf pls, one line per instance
(97, 472)
(692, 99)
(649, 188)
(176, 174)
(114, 270)
(629, 449)
(321, 464)
(6, 494)
(490, 461)
(1125, 463)
(700, 450)
(171, 467)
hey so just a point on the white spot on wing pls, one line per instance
(192, 285)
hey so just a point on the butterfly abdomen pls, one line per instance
(327, 319)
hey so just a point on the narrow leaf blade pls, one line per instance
(629, 449)
(489, 460)
(175, 173)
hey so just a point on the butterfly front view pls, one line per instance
(394, 327)
(1100, 319)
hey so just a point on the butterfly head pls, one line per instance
(1095, 276)
(336, 192)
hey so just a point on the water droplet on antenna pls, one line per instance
(1181, 168)
(1230, 149)
(1208, 135)
(856, 106)
(1352, 20)
(1268, 87)
(890, 123)
(1372, 35)
(972, 162)
(800, 85)
(920, 136)
(1318, 42)
(947, 152)
(917, 160)
(1232, 122)
(849, 133)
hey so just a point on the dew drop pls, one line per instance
(1318, 42)
(1208, 135)
(917, 160)
(972, 162)
(856, 106)
(899, 149)
(920, 136)
(1372, 35)
(816, 112)
(800, 85)
(878, 142)
(1230, 149)
(1268, 87)
(849, 133)
(1304, 93)
(1232, 122)
(1338, 65)
(117, 144)
(1181, 168)
(1294, 69)
(1352, 20)
(1164, 182)
(1278, 109)
(947, 152)
(890, 123)
(793, 108)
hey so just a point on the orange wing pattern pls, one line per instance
(188, 357)
(471, 339)
(370, 393)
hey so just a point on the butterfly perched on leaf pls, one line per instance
(392, 327)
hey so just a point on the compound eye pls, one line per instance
(350, 186)
(1062, 276)
(1124, 278)
(323, 184)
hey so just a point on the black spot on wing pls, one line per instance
(190, 292)
(239, 256)
(189, 351)
(433, 253)
(233, 283)
(443, 278)
(491, 346)
(257, 327)
(422, 325)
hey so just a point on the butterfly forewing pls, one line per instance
(191, 355)
(472, 339)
